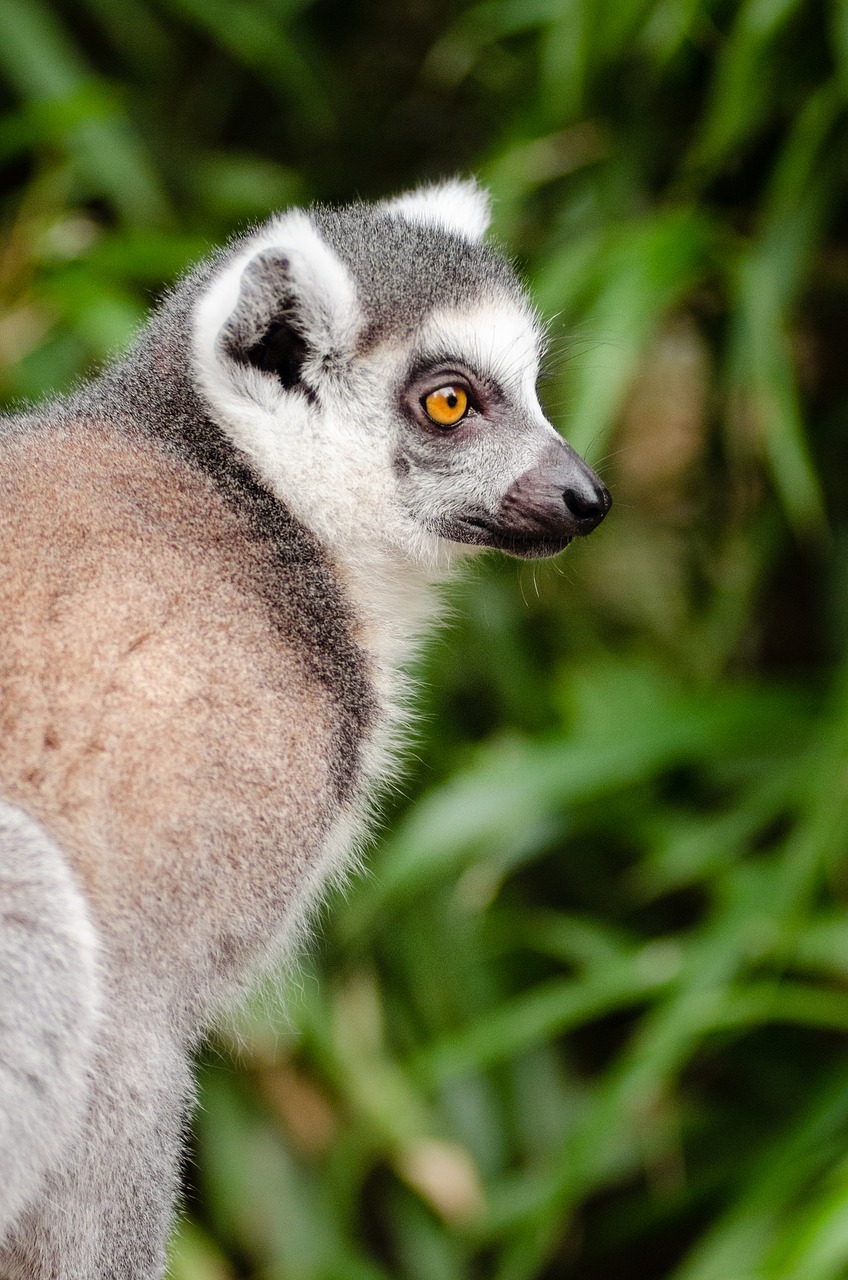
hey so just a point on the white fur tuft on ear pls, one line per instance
(460, 206)
(323, 284)
(290, 258)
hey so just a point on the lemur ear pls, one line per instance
(285, 305)
(460, 206)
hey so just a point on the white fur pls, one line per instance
(49, 1008)
(503, 341)
(459, 206)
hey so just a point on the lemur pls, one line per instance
(213, 561)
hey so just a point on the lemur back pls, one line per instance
(213, 563)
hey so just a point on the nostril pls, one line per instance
(580, 504)
(588, 507)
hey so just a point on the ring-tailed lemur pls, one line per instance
(212, 561)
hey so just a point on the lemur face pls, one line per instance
(477, 462)
(378, 364)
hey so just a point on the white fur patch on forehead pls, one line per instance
(459, 206)
(502, 342)
(320, 288)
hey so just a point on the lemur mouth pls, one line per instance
(478, 531)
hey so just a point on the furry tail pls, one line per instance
(49, 997)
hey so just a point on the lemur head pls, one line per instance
(378, 364)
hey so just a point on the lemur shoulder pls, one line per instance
(213, 559)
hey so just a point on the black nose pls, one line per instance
(588, 505)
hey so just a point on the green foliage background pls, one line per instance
(587, 1014)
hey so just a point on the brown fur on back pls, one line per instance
(152, 715)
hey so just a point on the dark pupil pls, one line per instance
(452, 399)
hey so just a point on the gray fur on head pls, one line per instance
(213, 561)
(431, 263)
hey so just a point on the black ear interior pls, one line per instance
(280, 350)
(263, 329)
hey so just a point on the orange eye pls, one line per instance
(446, 406)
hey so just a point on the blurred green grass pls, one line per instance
(587, 1012)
